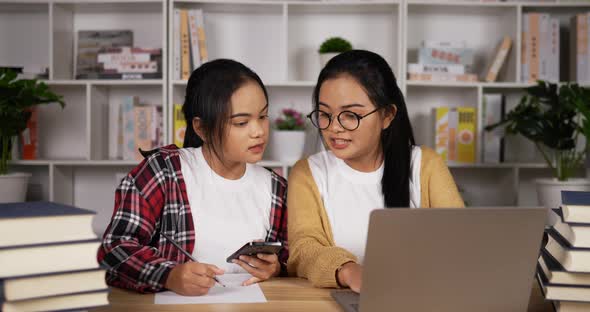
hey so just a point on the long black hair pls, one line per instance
(208, 95)
(375, 76)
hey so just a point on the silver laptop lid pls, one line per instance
(473, 259)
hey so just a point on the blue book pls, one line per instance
(33, 223)
(575, 198)
(575, 206)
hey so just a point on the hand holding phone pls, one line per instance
(259, 259)
(254, 248)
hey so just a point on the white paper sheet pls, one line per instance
(232, 293)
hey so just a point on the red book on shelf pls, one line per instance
(29, 137)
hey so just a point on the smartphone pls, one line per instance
(254, 248)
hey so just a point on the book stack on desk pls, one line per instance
(48, 258)
(563, 269)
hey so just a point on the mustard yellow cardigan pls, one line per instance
(312, 252)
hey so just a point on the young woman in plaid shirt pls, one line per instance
(208, 196)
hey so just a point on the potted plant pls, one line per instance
(17, 97)
(548, 116)
(287, 140)
(332, 47)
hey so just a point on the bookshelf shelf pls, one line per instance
(279, 40)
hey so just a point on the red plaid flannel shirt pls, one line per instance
(152, 199)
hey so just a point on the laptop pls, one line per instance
(472, 259)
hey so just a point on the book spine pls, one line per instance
(443, 77)
(30, 137)
(466, 136)
(524, 57)
(195, 50)
(534, 48)
(499, 59)
(176, 44)
(185, 45)
(573, 49)
(492, 110)
(414, 68)
(445, 56)
(582, 50)
(453, 125)
(179, 125)
(441, 131)
(114, 128)
(544, 46)
(586, 43)
(202, 38)
(143, 129)
(439, 44)
(128, 128)
(554, 53)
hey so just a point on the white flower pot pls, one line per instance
(286, 146)
(325, 57)
(13, 187)
(549, 191)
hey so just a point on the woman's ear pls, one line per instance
(390, 113)
(198, 127)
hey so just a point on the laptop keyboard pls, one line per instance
(349, 300)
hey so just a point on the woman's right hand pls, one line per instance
(351, 275)
(192, 278)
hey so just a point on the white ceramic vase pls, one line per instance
(286, 145)
(13, 187)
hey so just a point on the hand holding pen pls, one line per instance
(191, 278)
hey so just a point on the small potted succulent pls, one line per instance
(17, 97)
(288, 136)
(332, 47)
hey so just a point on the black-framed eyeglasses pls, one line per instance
(347, 119)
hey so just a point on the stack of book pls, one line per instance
(134, 125)
(540, 48)
(190, 48)
(48, 257)
(443, 61)
(564, 265)
(110, 54)
(455, 133)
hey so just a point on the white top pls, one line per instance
(226, 213)
(349, 196)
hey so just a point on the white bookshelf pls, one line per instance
(279, 40)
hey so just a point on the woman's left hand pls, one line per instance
(262, 267)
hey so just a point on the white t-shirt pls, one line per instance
(349, 196)
(226, 213)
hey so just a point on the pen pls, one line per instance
(168, 238)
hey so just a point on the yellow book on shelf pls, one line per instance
(179, 125)
(454, 137)
(466, 129)
(441, 131)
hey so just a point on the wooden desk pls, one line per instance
(284, 294)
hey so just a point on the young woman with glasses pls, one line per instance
(372, 162)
